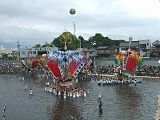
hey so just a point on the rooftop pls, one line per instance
(106, 47)
(126, 44)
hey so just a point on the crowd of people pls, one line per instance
(149, 70)
(17, 67)
(10, 66)
(65, 92)
(144, 70)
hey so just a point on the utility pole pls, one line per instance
(18, 47)
(74, 28)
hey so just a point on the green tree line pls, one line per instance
(98, 40)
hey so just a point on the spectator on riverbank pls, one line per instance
(145, 70)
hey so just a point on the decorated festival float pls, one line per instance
(62, 69)
(127, 63)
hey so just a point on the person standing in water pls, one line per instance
(100, 109)
(100, 104)
(99, 96)
(25, 87)
(31, 92)
(4, 117)
(4, 110)
(4, 107)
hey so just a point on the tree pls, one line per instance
(82, 41)
(5, 56)
(37, 46)
(117, 42)
(47, 45)
(59, 41)
(56, 42)
(97, 40)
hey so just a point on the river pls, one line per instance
(119, 102)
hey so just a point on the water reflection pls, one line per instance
(100, 112)
(129, 101)
(65, 109)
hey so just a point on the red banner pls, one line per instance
(131, 64)
(53, 66)
(35, 63)
(72, 67)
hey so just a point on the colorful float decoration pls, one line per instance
(64, 66)
(127, 61)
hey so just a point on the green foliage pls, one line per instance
(70, 46)
(99, 40)
(95, 41)
(37, 46)
(74, 43)
(47, 45)
(84, 43)
(5, 56)
(56, 42)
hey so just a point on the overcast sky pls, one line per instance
(38, 21)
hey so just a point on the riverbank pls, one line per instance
(102, 67)
(110, 61)
(141, 77)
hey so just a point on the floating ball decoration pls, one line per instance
(72, 11)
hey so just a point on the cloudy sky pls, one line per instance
(38, 21)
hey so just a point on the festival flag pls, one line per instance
(35, 63)
(72, 67)
(61, 71)
(88, 64)
(79, 68)
(131, 63)
(120, 56)
(53, 66)
(42, 59)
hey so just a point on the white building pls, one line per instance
(145, 48)
(35, 52)
(142, 47)
(5, 51)
(125, 45)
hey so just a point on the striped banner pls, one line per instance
(80, 66)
